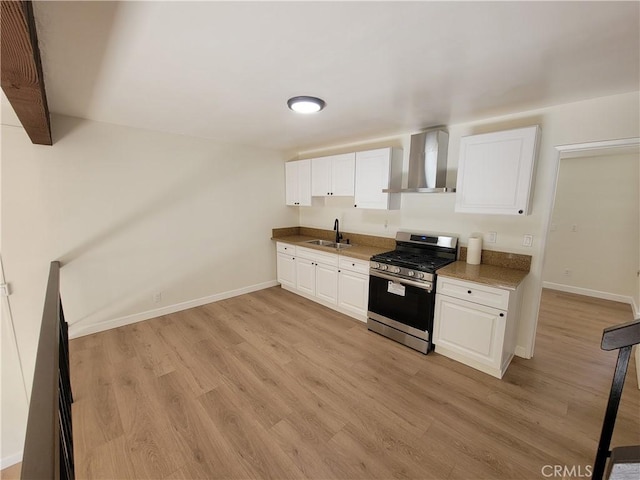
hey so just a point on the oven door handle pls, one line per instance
(424, 286)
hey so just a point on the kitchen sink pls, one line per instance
(322, 243)
(329, 243)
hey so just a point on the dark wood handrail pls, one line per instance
(622, 338)
(49, 407)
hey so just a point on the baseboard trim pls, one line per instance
(521, 352)
(82, 330)
(593, 293)
(11, 460)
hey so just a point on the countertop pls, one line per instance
(362, 252)
(495, 276)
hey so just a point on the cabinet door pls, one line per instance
(298, 183)
(286, 266)
(306, 276)
(291, 183)
(343, 169)
(473, 331)
(353, 292)
(321, 176)
(495, 172)
(327, 283)
(372, 176)
(304, 182)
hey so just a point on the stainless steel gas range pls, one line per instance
(402, 287)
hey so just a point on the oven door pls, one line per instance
(404, 305)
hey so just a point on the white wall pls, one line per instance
(598, 119)
(596, 207)
(13, 394)
(131, 213)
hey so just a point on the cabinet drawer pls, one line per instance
(474, 292)
(317, 256)
(354, 265)
(286, 248)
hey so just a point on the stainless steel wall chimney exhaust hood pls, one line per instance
(427, 163)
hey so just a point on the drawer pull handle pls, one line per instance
(502, 314)
(469, 291)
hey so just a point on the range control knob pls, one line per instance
(395, 269)
(375, 265)
(411, 273)
(383, 267)
(419, 275)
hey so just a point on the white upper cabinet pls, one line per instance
(495, 172)
(333, 175)
(377, 170)
(298, 183)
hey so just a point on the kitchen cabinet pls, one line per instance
(353, 287)
(476, 324)
(336, 281)
(286, 264)
(298, 183)
(495, 172)
(377, 170)
(333, 175)
(317, 274)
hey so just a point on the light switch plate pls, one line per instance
(527, 240)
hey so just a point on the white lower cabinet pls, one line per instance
(327, 283)
(286, 264)
(317, 274)
(306, 276)
(336, 281)
(353, 287)
(476, 324)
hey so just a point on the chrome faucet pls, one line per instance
(337, 229)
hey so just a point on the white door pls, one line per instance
(343, 172)
(291, 183)
(304, 182)
(470, 329)
(286, 266)
(495, 172)
(327, 283)
(372, 176)
(321, 176)
(305, 276)
(353, 292)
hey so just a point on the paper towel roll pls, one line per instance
(474, 249)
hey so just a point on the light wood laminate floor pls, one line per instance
(270, 385)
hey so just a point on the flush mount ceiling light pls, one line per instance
(305, 104)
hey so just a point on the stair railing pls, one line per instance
(48, 449)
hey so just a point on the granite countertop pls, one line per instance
(364, 246)
(493, 275)
(362, 252)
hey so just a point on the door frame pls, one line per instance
(574, 148)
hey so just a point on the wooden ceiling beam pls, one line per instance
(21, 69)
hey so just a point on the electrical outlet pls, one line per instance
(4, 290)
(567, 272)
(554, 227)
(574, 228)
(157, 297)
(527, 240)
(492, 237)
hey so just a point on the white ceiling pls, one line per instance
(224, 70)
